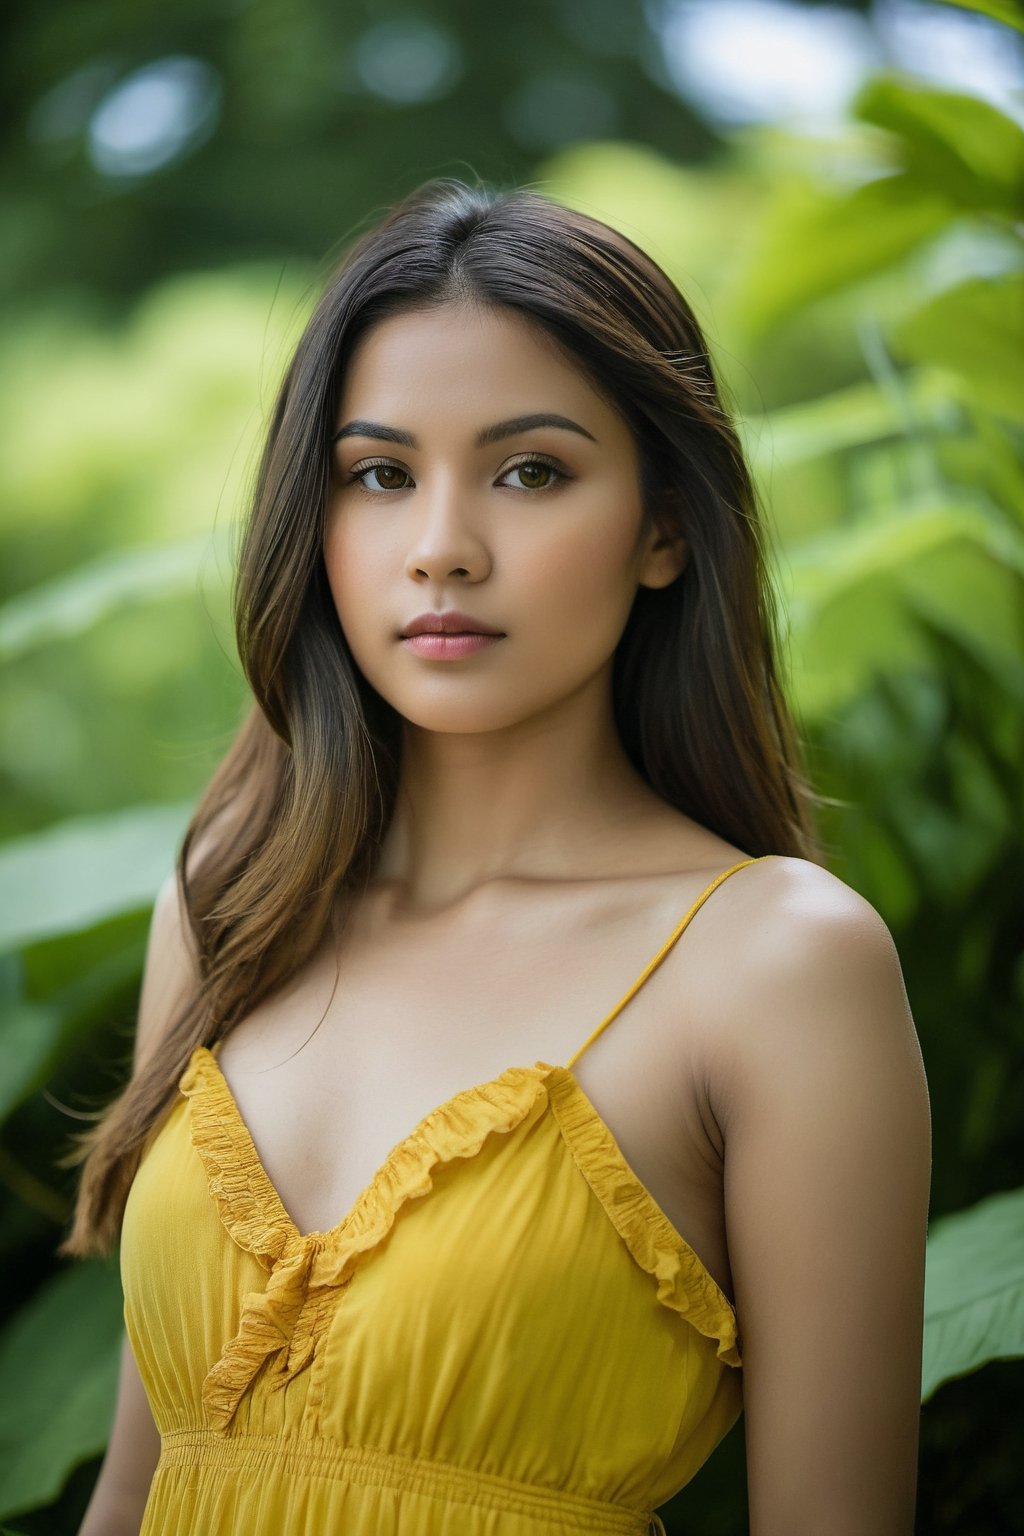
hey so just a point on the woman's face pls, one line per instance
(444, 498)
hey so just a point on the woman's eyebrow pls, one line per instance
(493, 434)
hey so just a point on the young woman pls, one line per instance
(418, 1232)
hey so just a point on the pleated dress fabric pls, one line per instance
(504, 1336)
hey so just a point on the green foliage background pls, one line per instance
(864, 297)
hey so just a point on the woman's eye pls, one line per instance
(534, 475)
(528, 469)
(383, 470)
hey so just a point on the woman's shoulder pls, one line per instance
(801, 906)
(777, 916)
(795, 954)
(794, 924)
(171, 970)
(808, 920)
(769, 908)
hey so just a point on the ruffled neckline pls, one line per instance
(249, 1204)
(280, 1326)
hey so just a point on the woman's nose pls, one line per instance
(446, 537)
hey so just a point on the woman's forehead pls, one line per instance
(467, 359)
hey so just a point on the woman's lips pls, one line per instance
(448, 647)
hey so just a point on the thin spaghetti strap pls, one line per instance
(653, 964)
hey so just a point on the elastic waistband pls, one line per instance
(370, 1467)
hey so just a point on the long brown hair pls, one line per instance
(289, 829)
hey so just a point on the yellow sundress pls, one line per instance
(504, 1336)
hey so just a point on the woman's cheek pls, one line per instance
(582, 579)
(358, 584)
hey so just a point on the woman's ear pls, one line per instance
(665, 556)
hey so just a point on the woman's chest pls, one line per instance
(343, 1065)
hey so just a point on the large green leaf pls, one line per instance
(954, 144)
(853, 593)
(59, 1360)
(848, 418)
(30, 1038)
(891, 539)
(813, 242)
(35, 1036)
(976, 331)
(73, 603)
(1010, 11)
(974, 1289)
(53, 969)
(81, 871)
(29, 1035)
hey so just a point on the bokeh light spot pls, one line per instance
(407, 62)
(154, 115)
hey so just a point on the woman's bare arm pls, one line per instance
(122, 1487)
(823, 1102)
